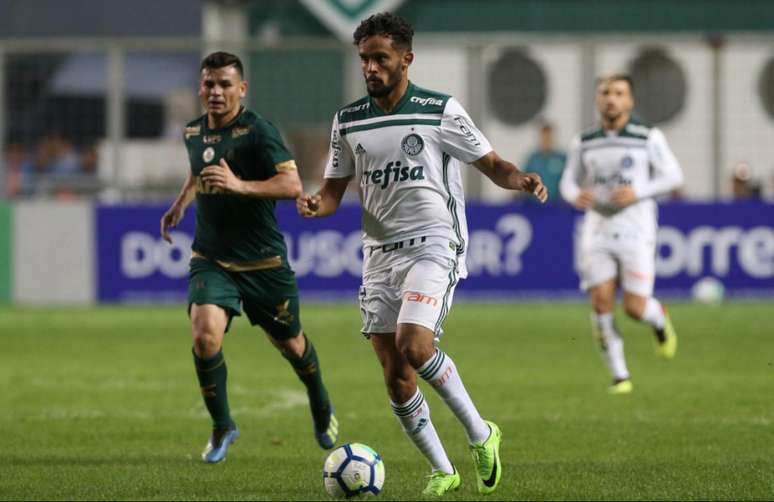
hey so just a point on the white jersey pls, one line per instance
(600, 161)
(406, 165)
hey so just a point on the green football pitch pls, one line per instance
(103, 403)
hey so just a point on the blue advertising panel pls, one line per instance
(514, 250)
(133, 262)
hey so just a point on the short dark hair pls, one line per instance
(388, 24)
(222, 59)
(617, 77)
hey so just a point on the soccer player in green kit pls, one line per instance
(239, 167)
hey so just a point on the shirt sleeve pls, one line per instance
(667, 174)
(340, 162)
(460, 138)
(270, 143)
(569, 185)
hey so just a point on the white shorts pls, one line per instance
(411, 284)
(609, 256)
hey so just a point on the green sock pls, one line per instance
(308, 370)
(212, 375)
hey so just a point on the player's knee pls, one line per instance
(415, 353)
(205, 345)
(634, 308)
(602, 304)
(291, 348)
(206, 341)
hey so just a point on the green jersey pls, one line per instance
(241, 233)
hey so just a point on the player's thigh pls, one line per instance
(270, 300)
(427, 292)
(209, 284)
(379, 300)
(596, 265)
(638, 270)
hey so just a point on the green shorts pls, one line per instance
(269, 297)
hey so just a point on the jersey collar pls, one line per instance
(376, 110)
(617, 132)
(233, 121)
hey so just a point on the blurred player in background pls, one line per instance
(403, 146)
(239, 167)
(614, 173)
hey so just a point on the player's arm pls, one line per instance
(176, 211)
(506, 175)
(284, 185)
(569, 185)
(666, 169)
(326, 201)
(339, 170)
(667, 174)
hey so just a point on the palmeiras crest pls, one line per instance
(412, 144)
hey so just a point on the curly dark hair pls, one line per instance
(386, 23)
(222, 59)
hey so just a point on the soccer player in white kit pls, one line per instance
(613, 173)
(403, 146)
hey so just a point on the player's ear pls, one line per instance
(243, 88)
(408, 58)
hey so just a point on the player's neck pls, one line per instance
(220, 121)
(388, 102)
(616, 124)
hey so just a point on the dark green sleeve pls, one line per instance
(270, 143)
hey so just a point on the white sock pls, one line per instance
(414, 416)
(440, 372)
(612, 345)
(654, 313)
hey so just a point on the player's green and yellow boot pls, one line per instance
(441, 482)
(486, 457)
(621, 387)
(666, 339)
(326, 438)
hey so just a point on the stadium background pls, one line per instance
(94, 97)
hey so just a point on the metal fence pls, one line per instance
(103, 118)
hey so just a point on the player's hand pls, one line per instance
(531, 182)
(584, 201)
(170, 220)
(221, 178)
(308, 205)
(623, 196)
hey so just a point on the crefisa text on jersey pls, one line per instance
(393, 172)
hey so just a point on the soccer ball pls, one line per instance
(708, 290)
(353, 469)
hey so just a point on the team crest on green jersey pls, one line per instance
(412, 144)
(208, 154)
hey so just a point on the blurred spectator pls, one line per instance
(744, 185)
(54, 169)
(548, 162)
(15, 157)
(34, 169)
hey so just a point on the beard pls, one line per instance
(612, 115)
(383, 89)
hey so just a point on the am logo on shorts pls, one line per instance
(413, 296)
